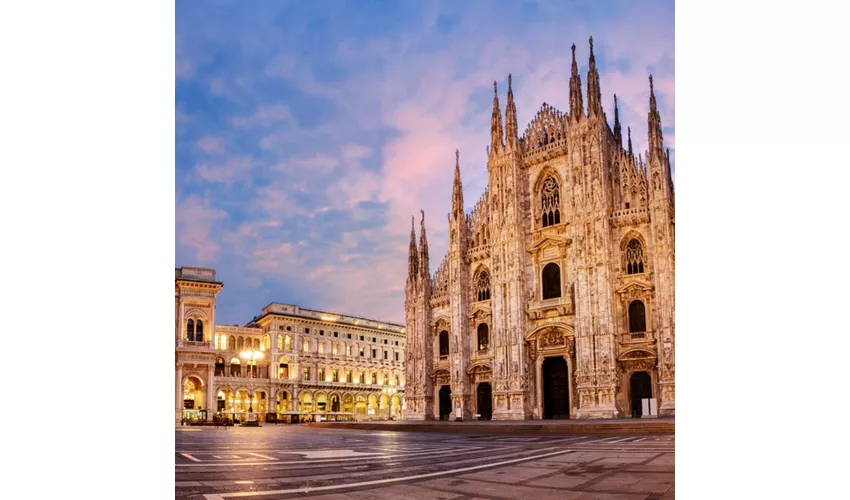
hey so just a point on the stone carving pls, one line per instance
(499, 235)
(551, 338)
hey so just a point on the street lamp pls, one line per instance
(251, 355)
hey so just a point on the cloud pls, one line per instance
(232, 170)
(195, 218)
(308, 138)
(210, 145)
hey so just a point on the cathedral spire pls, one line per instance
(576, 104)
(618, 132)
(594, 93)
(424, 271)
(656, 141)
(457, 189)
(412, 257)
(496, 136)
(511, 133)
(631, 155)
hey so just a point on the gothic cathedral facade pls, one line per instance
(556, 296)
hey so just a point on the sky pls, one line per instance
(308, 133)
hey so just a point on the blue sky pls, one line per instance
(308, 133)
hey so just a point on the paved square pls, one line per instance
(272, 462)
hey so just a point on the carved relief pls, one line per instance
(553, 337)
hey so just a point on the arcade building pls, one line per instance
(287, 364)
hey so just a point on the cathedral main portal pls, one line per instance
(485, 400)
(445, 402)
(640, 387)
(556, 391)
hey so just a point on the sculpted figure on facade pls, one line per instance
(568, 181)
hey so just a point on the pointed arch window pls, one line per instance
(483, 336)
(199, 331)
(444, 343)
(550, 199)
(637, 317)
(634, 257)
(482, 286)
(551, 278)
(190, 330)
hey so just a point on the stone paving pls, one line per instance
(272, 462)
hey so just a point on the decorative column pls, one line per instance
(211, 393)
(570, 381)
(178, 406)
(539, 374)
(181, 325)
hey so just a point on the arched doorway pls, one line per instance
(360, 406)
(485, 400)
(334, 403)
(640, 387)
(284, 404)
(556, 389)
(348, 403)
(373, 406)
(445, 402)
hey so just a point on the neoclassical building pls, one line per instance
(287, 359)
(556, 296)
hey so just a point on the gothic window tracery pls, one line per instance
(482, 286)
(637, 317)
(550, 202)
(483, 336)
(634, 257)
(551, 278)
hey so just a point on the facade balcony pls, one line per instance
(353, 386)
(636, 338)
(559, 306)
(190, 345)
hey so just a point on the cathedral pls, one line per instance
(556, 296)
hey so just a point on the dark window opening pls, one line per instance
(637, 317)
(483, 336)
(551, 281)
(444, 343)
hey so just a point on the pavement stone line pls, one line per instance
(295, 462)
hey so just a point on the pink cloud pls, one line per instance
(210, 145)
(195, 218)
(265, 116)
(234, 169)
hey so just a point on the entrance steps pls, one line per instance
(517, 427)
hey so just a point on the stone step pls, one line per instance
(631, 427)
